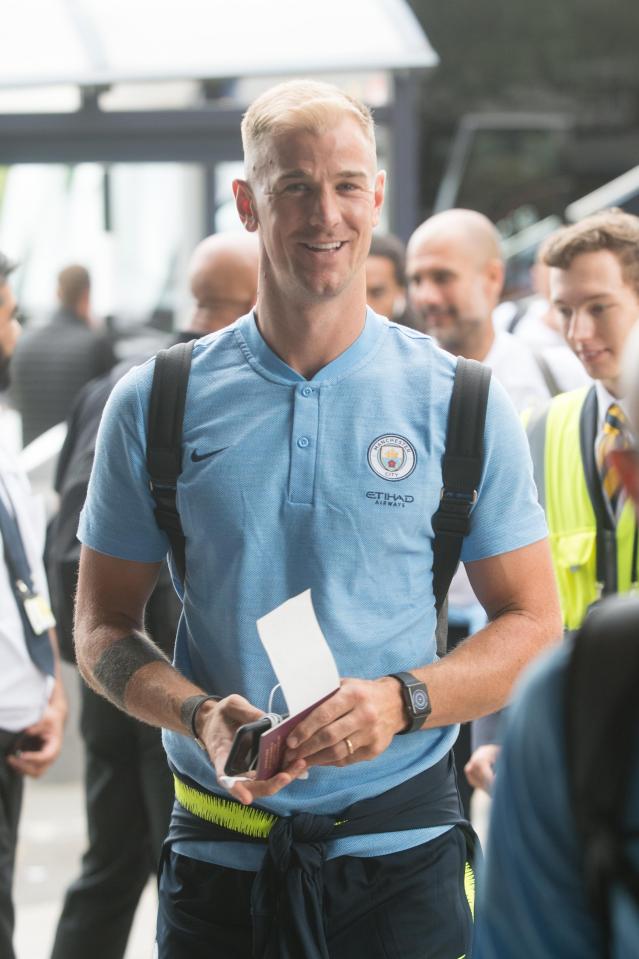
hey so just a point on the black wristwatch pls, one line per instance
(416, 701)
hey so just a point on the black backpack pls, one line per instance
(602, 748)
(63, 547)
(461, 464)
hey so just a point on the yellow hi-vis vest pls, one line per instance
(554, 437)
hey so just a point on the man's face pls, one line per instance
(221, 296)
(315, 204)
(9, 331)
(598, 310)
(383, 293)
(450, 290)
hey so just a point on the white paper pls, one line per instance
(298, 652)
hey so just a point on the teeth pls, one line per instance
(324, 246)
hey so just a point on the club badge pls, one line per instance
(392, 457)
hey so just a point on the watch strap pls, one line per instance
(198, 702)
(416, 718)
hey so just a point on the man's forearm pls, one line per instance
(477, 677)
(135, 675)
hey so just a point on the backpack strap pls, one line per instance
(164, 442)
(601, 712)
(461, 472)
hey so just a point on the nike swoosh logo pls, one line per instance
(198, 457)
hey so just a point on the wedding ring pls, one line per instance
(349, 746)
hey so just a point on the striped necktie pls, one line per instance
(614, 436)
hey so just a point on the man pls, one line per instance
(54, 362)
(292, 404)
(386, 279)
(223, 281)
(455, 273)
(32, 703)
(535, 898)
(128, 786)
(594, 284)
(455, 277)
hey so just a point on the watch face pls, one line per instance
(419, 699)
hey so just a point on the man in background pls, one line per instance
(128, 785)
(32, 702)
(455, 273)
(386, 279)
(53, 363)
(223, 281)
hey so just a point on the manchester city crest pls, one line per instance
(392, 457)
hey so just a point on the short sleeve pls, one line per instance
(118, 515)
(507, 514)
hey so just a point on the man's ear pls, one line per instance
(626, 462)
(245, 204)
(378, 194)
(495, 273)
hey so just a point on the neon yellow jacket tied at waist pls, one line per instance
(554, 435)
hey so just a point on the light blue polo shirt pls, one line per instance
(290, 484)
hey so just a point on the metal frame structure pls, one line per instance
(207, 135)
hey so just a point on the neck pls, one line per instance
(478, 345)
(307, 336)
(613, 387)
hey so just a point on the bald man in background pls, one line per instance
(128, 786)
(223, 279)
(455, 273)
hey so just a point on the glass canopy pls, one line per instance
(92, 43)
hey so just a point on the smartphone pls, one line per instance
(27, 743)
(246, 746)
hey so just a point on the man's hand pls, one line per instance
(358, 722)
(49, 730)
(480, 768)
(217, 724)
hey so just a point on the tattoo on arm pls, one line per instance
(119, 663)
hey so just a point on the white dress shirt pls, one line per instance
(24, 689)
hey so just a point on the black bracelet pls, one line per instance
(195, 702)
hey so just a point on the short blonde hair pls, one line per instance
(612, 230)
(308, 105)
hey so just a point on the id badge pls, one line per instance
(38, 613)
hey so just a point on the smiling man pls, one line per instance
(594, 285)
(304, 399)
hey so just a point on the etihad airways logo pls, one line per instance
(390, 499)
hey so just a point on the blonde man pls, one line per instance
(312, 442)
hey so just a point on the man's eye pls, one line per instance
(295, 188)
(598, 309)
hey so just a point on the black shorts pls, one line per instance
(416, 904)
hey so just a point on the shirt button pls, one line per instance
(303, 442)
(307, 391)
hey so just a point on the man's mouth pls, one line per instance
(589, 356)
(324, 247)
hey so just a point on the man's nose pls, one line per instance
(325, 210)
(423, 293)
(580, 327)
